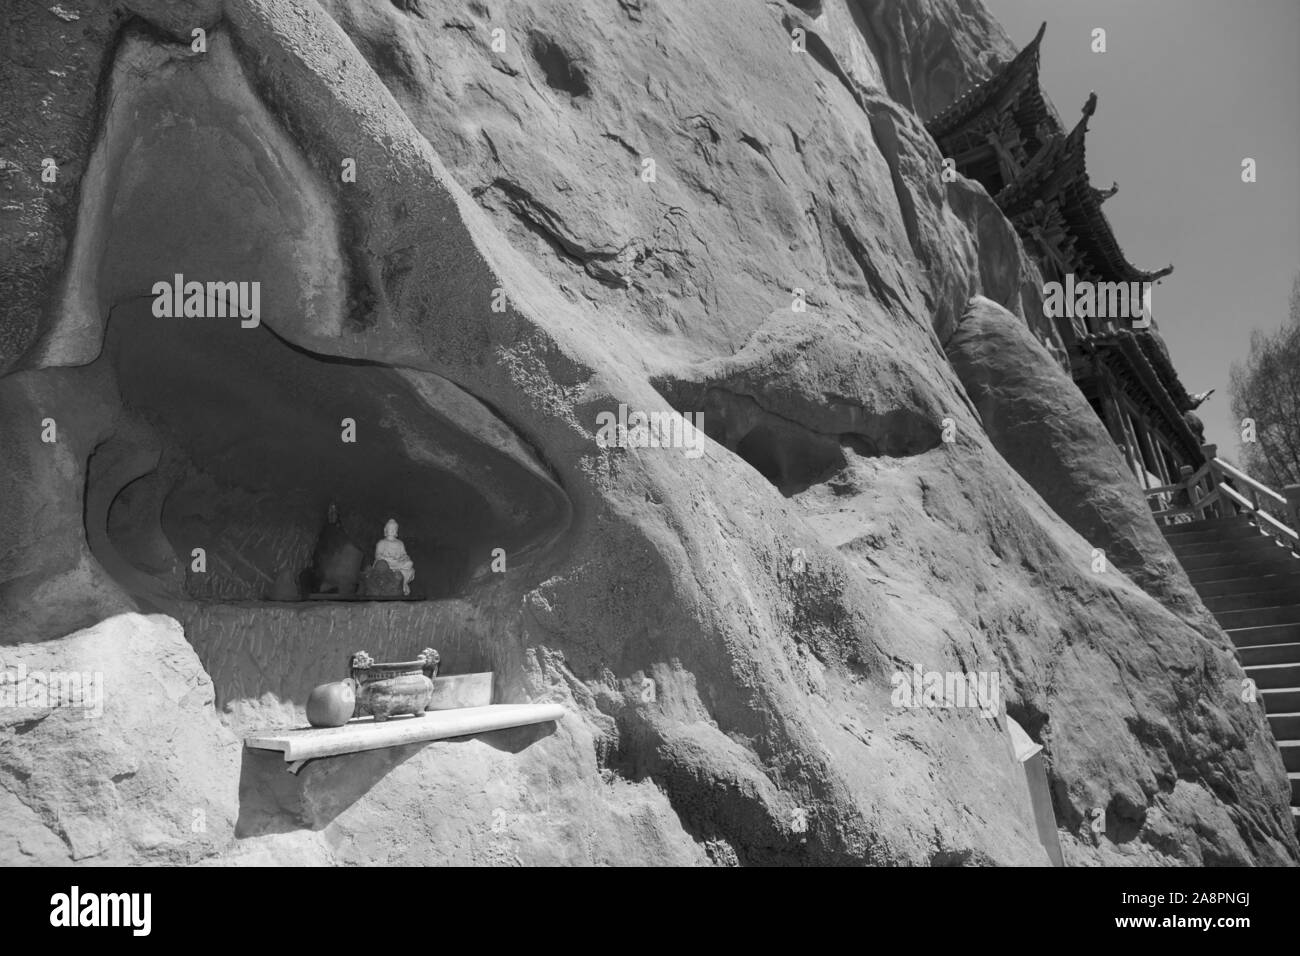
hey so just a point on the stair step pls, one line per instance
(1275, 675)
(1242, 584)
(1281, 700)
(1258, 617)
(1274, 561)
(1263, 654)
(1268, 634)
(1285, 726)
(1290, 754)
(1278, 597)
(1206, 523)
(1251, 584)
(1200, 535)
(1236, 570)
(1261, 552)
(1243, 548)
(1252, 549)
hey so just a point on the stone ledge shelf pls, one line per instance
(308, 743)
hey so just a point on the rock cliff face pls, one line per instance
(557, 209)
(1029, 406)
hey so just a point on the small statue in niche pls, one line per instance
(392, 552)
(285, 587)
(336, 561)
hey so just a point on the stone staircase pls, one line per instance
(1251, 583)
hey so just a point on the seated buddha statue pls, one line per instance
(392, 552)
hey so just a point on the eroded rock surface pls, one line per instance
(126, 762)
(722, 628)
(1040, 423)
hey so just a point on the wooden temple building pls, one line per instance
(1004, 134)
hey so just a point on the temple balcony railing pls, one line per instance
(1220, 490)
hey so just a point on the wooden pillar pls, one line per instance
(1211, 452)
(1166, 467)
(1140, 436)
(1131, 436)
(1186, 496)
(1162, 468)
(1111, 413)
(1171, 461)
(1292, 493)
(1121, 439)
(1157, 466)
(1134, 454)
(1006, 164)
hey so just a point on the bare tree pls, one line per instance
(1266, 389)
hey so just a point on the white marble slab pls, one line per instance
(365, 733)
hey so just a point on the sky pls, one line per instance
(1185, 91)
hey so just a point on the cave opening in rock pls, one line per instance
(793, 456)
(758, 448)
(233, 438)
(793, 459)
(221, 441)
(234, 443)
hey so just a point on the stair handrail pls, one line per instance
(1209, 488)
(1258, 486)
(1281, 531)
